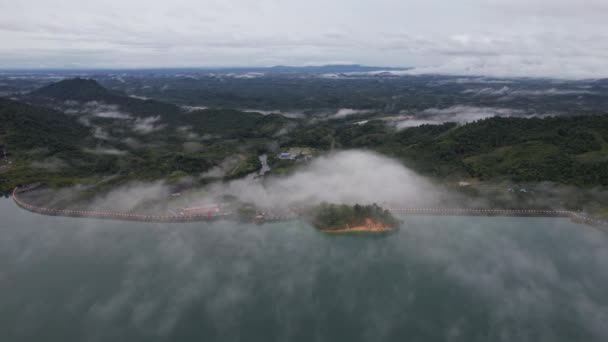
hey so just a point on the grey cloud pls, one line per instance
(157, 277)
(187, 133)
(287, 114)
(507, 91)
(459, 114)
(156, 274)
(131, 196)
(95, 109)
(101, 134)
(344, 112)
(559, 39)
(103, 150)
(147, 125)
(52, 164)
(349, 177)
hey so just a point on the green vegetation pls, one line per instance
(234, 124)
(518, 149)
(328, 216)
(566, 150)
(59, 149)
(245, 166)
(86, 90)
(387, 94)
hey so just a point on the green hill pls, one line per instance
(55, 148)
(38, 134)
(234, 123)
(571, 150)
(26, 127)
(87, 90)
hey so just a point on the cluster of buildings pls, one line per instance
(209, 210)
(296, 153)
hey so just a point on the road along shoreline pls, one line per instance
(130, 216)
(110, 215)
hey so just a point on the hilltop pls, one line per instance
(83, 91)
(75, 89)
(77, 131)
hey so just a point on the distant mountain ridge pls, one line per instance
(331, 68)
(235, 69)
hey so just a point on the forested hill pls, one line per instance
(565, 149)
(571, 150)
(59, 149)
(85, 90)
(75, 89)
(34, 135)
(27, 127)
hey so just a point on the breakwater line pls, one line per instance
(111, 215)
(572, 215)
(185, 217)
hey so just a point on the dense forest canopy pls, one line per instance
(328, 216)
(78, 132)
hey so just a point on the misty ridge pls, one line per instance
(347, 177)
(89, 111)
(460, 114)
(467, 151)
(509, 92)
(341, 177)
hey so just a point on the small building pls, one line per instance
(287, 156)
(209, 210)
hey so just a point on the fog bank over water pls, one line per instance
(349, 177)
(340, 177)
(437, 279)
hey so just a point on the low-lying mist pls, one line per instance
(348, 177)
(460, 114)
(341, 177)
(473, 279)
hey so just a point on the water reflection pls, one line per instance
(437, 279)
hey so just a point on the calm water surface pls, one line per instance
(437, 279)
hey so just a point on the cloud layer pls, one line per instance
(459, 114)
(497, 37)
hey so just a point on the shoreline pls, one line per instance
(370, 226)
(358, 229)
(129, 216)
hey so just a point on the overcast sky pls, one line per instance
(555, 38)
